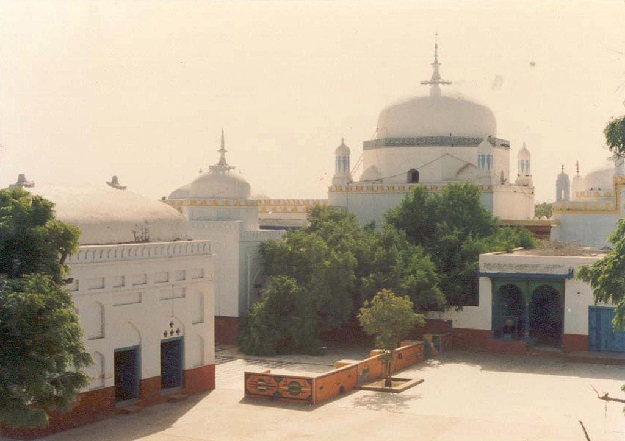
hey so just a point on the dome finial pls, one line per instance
(436, 80)
(222, 166)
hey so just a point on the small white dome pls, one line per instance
(216, 185)
(370, 174)
(342, 150)
(436, 116)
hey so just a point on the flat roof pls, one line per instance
(549, 248)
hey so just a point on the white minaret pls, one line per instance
(342, 174)
(577, 185)
(436, 80)
(563, 187)
(524, 174)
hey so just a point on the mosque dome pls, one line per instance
(107, 215)
(218, 185)
(436, 116)
(180, 193)
(599, 179)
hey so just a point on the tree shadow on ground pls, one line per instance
(384, 401)
(531, 364)
(148, 421)
(275, 404)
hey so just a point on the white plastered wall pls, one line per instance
(127, 295)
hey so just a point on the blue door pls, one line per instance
(171, 363)
(126, 374)
(601, 335)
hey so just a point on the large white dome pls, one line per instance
(436, 116)
(217, 185)
(109, 216)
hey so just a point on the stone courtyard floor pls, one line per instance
(465, 396)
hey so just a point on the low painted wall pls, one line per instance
(317, 389)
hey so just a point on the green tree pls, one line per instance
(607, 276)
(543, 209)
(615, 136)
(334, 265)
(279, 323)
(42, 356)
(454, 229)
(31, 239)
(389, 318)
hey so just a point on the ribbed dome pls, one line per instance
(217, 185)
(436, 116)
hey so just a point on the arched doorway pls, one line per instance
(546, 316)
(509, 313)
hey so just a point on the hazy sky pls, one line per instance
(142, 89)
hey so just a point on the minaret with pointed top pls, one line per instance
(524, 170)
(577, 185)
(342, 173)
(563, 187)
(222, 166)
(436, 80)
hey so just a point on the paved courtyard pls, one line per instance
(465, 396)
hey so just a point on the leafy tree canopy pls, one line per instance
(389, 318)
(543, 209)
(454, 229)
(42, 355)
(615, 136)
(332, 266)
(607, 275)
(31, 239)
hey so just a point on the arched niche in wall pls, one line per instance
(92, 319)
(127, 335)
(197, 307)
(97, 371)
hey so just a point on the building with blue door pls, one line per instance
(531, 299)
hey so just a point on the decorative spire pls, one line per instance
(222, 166)
(436, 80)
(577, 167)
(562, 168)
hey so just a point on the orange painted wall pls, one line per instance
(279, 387)
(334, 383)
(326, 386)
(408, 355)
